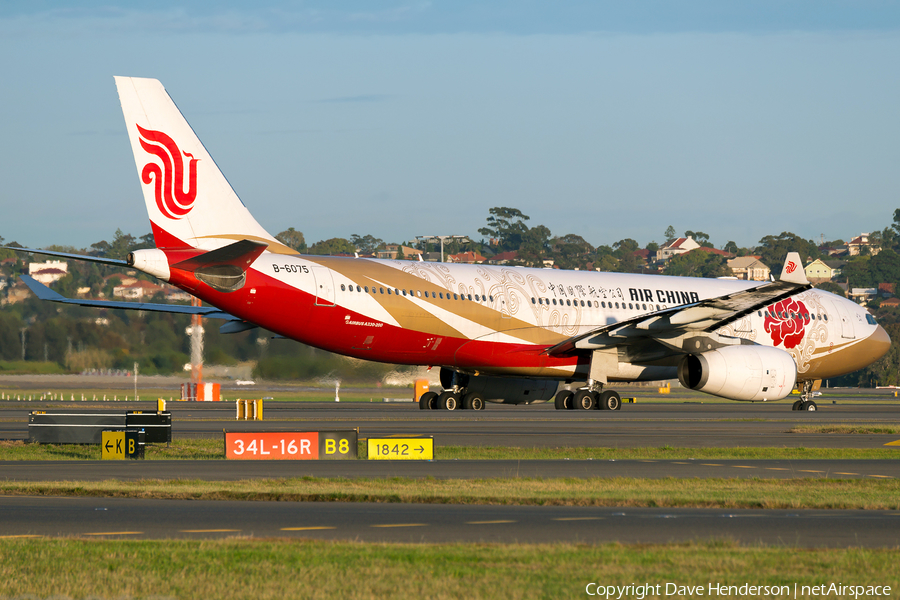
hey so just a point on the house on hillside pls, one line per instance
(819, 271)
(504, 258)
(723, 253)
(749, 268)
(862, 295)
(393, 250)
(138, 290)
(469, 258)
(861, 244)
(675, 247)
(48, 272)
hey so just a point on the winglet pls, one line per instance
(793, 271)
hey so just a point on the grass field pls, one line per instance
(276, 569)
(817, 493)
(213, 449)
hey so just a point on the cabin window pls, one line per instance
(455, 297)
(419, 294)
(389, 291)
(825, 317)
(469, 297)
(491, 298)
(381, 290)
(343, 288)
(367, 289)
(617, 305)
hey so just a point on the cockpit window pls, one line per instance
(871, 320)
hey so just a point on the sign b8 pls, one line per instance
(290, 445)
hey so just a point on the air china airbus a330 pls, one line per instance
(499, 334)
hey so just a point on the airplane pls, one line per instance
(498, 333)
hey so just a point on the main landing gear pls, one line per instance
(588, 399)
(805, 402)
(450, 400)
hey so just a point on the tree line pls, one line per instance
(77, 338)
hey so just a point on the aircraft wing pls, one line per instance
(704, 316)
(44, 293)
(106, 261)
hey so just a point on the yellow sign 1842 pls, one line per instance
(401, 449)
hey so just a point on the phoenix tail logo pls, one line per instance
(791, 267)
(168, 178)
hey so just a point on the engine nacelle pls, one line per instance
(503, 390)
(151, 261)
(740, 373)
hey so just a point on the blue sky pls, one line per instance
(397, 119)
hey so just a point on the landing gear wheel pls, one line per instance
(426, 400)
(583, 399)
(610, 400)
(796, 405)
(810, 406)
(563, 400)
(473, 401)
(448, 401)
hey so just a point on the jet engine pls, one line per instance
(740, 372)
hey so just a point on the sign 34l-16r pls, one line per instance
(291, 445)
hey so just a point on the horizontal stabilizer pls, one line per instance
(224, 269)
(240, 254)
(44, 293)
(237, 326)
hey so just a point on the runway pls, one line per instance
(118, 518)
(645, 424)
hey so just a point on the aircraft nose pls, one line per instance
(878, 343)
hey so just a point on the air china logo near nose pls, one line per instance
(168, 178)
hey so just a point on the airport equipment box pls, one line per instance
(87, 427)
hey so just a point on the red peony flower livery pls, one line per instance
(785, 322)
